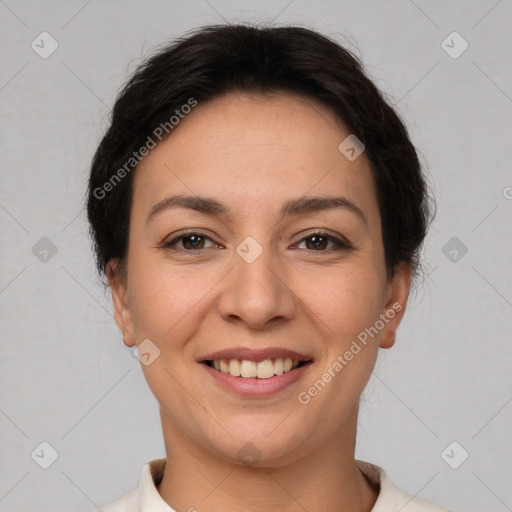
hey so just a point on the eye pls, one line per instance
(319, 241)
(190, 242)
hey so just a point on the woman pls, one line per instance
(258, 210)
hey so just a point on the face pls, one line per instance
(256, 275)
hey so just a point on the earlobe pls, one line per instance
(122, 312)
(398, 293)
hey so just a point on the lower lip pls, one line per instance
(254, 387)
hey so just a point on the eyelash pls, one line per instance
(340, 245)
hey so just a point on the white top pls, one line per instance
(147, 499)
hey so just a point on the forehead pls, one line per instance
(243, 147)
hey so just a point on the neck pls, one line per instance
(325, 479)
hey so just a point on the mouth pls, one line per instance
(263, 369)
(254, 373)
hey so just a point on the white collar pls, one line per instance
(389, 499)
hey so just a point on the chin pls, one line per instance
(263, 445)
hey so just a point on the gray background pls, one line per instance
(66, 376)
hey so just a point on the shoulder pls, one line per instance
(146, 496)
(128, 503)
(408, 503)
(392, 499)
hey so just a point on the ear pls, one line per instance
(122, 313)
(396, 302)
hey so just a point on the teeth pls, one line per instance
(234, 367)
(278, 367)
(262, 370)
(248, 369)
(265, 369)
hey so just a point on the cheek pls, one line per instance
(345, 304)
(167, 305)
(164, 300)
(345, 300)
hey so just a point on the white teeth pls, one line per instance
(265, 369)
(287, 365)
(234, 367)
(250, 369)
(278, 367)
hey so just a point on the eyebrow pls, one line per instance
(292, 207)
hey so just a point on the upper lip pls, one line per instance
(256, 355)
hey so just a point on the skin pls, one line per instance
(254, 152)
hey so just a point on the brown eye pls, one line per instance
(319, 242)
(193, 242)
(190, 242)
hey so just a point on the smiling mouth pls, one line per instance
(265, 369)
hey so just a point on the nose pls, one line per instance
(257, 293)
